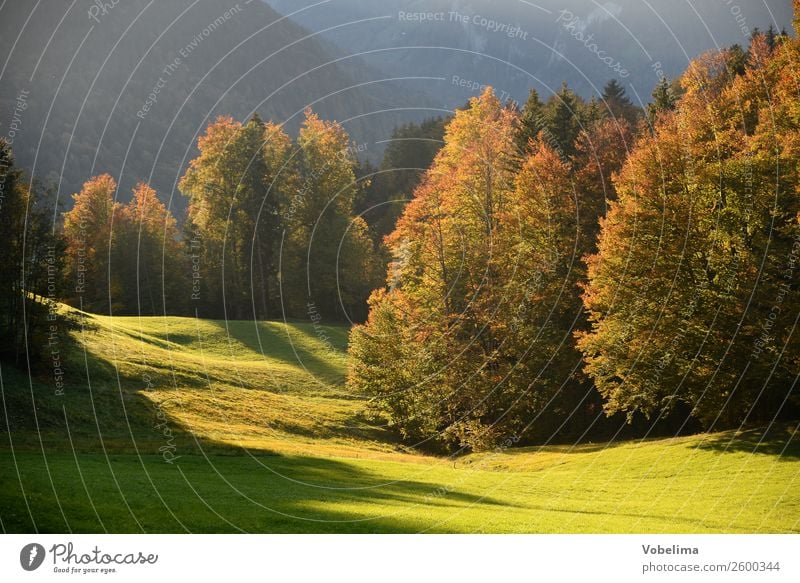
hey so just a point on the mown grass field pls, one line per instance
(178, 424)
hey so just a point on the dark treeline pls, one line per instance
(31, 265)
(572, 266)
(387, 188)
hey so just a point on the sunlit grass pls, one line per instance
(682, 485)
(263, 437)
(268, 386)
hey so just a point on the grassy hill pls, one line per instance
(178, 424)
(272, 387)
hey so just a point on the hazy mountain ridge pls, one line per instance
(128, 91)
(557, 41)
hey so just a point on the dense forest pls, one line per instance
(516, 272)
(567, 260)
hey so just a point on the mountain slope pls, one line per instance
(516, 44)
(127, 90)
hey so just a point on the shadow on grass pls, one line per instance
(93, 492)
(778, 441)
(110, 459)
(288, 343)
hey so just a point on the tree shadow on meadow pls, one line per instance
(779, 440)
(291, 343)
(330, 495)
(111, 459)
(185, 483)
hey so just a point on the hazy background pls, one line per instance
(86, 72)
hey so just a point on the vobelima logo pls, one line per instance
(31, 556)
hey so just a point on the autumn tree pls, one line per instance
(280, 180)
(693, 292)
(88, 233)
(483, 297)
(550, 227)
(148, 261)
(329, 264)
(440, 299)
(212, 182)
(236, 187)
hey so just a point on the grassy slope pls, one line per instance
(271, 387)
(202, 390)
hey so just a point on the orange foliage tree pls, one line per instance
(472, 341)
(693, 292)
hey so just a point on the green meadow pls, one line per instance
(188, 425)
